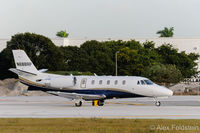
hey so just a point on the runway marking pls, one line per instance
(137, 104)
(7, 100)
(147, 116)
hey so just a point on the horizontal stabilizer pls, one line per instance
(21, 72)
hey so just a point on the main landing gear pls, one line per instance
(98, 103)
(78, 103)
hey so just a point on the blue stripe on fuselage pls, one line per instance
(108, 93)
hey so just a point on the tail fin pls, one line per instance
(23, 63)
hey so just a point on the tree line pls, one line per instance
(161, 64)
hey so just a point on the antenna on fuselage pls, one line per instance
(95, 74)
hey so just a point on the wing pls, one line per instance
(77, 95)
(43, 70)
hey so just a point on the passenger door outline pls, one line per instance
(83, 83)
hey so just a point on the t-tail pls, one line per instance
(23, 64)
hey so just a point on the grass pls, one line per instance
(93, 125)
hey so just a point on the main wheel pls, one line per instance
(100, 102)
(158, 103)
(78, 104)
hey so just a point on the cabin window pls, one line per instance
(142, 82)
(100, 82)
(124, 82)
(108, 82)
(138, 82)
(116, 81)
(93, 81)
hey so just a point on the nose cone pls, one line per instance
(169, 93)
(163, 92)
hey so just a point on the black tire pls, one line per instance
(100, 102)
(158, 103)
(78, 104)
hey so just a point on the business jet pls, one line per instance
(85, 88)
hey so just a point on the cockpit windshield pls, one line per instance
(145, 82)
(148, 82)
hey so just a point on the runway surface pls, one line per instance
(175, 107)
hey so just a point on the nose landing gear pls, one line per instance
(158, 103)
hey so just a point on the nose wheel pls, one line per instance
(158, 103)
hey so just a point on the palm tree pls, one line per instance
(166, 32)
(62, 34)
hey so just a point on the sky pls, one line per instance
(100, 18)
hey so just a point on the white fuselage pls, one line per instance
(127, 84)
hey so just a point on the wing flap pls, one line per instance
(77, 96)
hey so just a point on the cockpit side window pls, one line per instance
(148, 82)
(138, 82)
(142, 82)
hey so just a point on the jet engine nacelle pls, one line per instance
(61, 82)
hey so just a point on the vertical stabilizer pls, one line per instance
(23, 62)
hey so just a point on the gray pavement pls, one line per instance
(175, 107)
